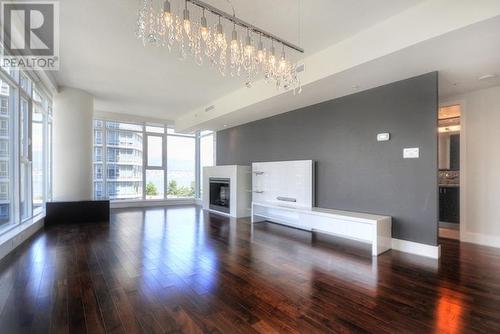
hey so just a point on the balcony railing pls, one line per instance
(125, 179)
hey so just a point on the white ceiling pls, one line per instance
(100, 54)
(461, 57)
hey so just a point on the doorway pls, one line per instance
(449, 126)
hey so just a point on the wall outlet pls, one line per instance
(411, 153)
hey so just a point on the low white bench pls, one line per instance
(363, 227)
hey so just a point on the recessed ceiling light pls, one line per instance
(487, 76)
(225, 125)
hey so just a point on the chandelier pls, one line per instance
(249, 53)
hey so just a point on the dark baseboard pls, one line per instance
(77, 212)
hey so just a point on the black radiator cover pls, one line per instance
(77, 212)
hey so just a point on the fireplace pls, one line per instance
(227, 190)
(219, 194)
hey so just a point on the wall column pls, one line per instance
(72, 144)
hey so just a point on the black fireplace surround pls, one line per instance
(220, 194)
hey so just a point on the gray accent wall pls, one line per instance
(353, 171)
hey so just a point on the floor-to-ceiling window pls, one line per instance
(147, 161)
(181, 155)
(118, 160)
(124, 160)
(38, 163)
(25, 148)
(99, 160)
(25, 159)
(40, 135)
(155, 162)
(7, 109)
(49, 176)
(207, 153)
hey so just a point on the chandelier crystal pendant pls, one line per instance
(243, 55)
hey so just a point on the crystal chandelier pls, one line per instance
(249, 53)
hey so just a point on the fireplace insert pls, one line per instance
(220, 194)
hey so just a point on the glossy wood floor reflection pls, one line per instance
(179, 270)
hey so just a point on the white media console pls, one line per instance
(283, 193)
(362, 227)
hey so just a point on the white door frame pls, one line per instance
(463, 166)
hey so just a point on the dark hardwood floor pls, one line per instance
(179, 270)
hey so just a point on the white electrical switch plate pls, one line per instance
(383, 136)
(411, 153)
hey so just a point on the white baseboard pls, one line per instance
(19, 234)
(151, 203)
(480, 239)
(416, 248)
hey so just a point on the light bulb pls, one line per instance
(204, 33)
(234, 40)
(168, 19)
(272, 56)
(234, 45)
(187, 26)
(282, 64)
(220, 33)
(260, 52)
(248, 46)
(204, 27)
(187, 22)
(167, 14)
(220, 38)
(282, 61)
(260, 56)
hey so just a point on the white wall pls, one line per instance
(72, 143)
(480, 166)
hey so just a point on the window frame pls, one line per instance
(43, 123)
(163, 166)
(167, 132)
(105, 153)
(27, 159)
(199, 172)
(12, 154)
(196, 160)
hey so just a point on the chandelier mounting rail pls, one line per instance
(244, 51)
(233, 18)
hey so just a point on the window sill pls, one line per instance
(151, 203)
(16, 235)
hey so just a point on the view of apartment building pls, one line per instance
(122, 151)
(4, 154)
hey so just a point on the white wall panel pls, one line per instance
(272, 182)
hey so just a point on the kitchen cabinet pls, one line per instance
(449, 204)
